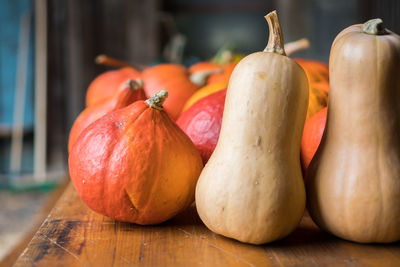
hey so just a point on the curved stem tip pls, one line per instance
(275, 41)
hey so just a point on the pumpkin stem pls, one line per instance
(200, 78)
(157, 100)
(374, 27)
(135, 84)
(116, 63)
(275, 40)
(295, 46)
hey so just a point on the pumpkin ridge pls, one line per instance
(158, 148)
(110, 152)
(144, 201)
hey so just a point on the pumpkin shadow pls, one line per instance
(186, 217)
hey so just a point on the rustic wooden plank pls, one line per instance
(73, 235)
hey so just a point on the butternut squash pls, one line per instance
(353, 180)
(252, 187)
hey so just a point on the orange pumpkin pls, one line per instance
(128, 92)
(217, 73)
(204, 65)
(224, 75)
(316, 71)
(312, 134)
(173, 78)
(318, 80)
(135, 164)
(103, 86)
(203, 92)
(318, 99)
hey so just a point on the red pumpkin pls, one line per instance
(173, 78)
(128, 92)
(135, 164)
(103, 86)
(202, 122)
(312, 134)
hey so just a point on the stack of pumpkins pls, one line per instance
(141, 161)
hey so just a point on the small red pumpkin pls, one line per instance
(202, 122)
(128, 92)
(135, 164)
(312, 134)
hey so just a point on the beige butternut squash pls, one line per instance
(353, 181)
(252, 188)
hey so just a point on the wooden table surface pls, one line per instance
(73, 235)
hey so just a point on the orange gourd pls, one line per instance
(135, 164)
(318, 80)
(103, 86)
(316, 71)
(318, 99)
(224, 76)
(128, 92)
(173, 78)
(204, 66)
(312, 134)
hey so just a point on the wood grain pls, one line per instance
(73, 235)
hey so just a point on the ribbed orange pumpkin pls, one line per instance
(128, 92)
(173, 78)
(318, 80)
(316, 71)
(103, 86)
(135, 164)
(318, 99)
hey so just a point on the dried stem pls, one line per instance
(157, 100)
(275, 41)
(374, 27)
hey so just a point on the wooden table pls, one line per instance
(73, 235)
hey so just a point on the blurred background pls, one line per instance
(47, 52)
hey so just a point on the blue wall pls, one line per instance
(10, 17)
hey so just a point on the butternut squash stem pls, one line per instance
(135, 84)
(200, 78)
(275, 40)
(295, 46)
(157, 100)
(374, 27)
